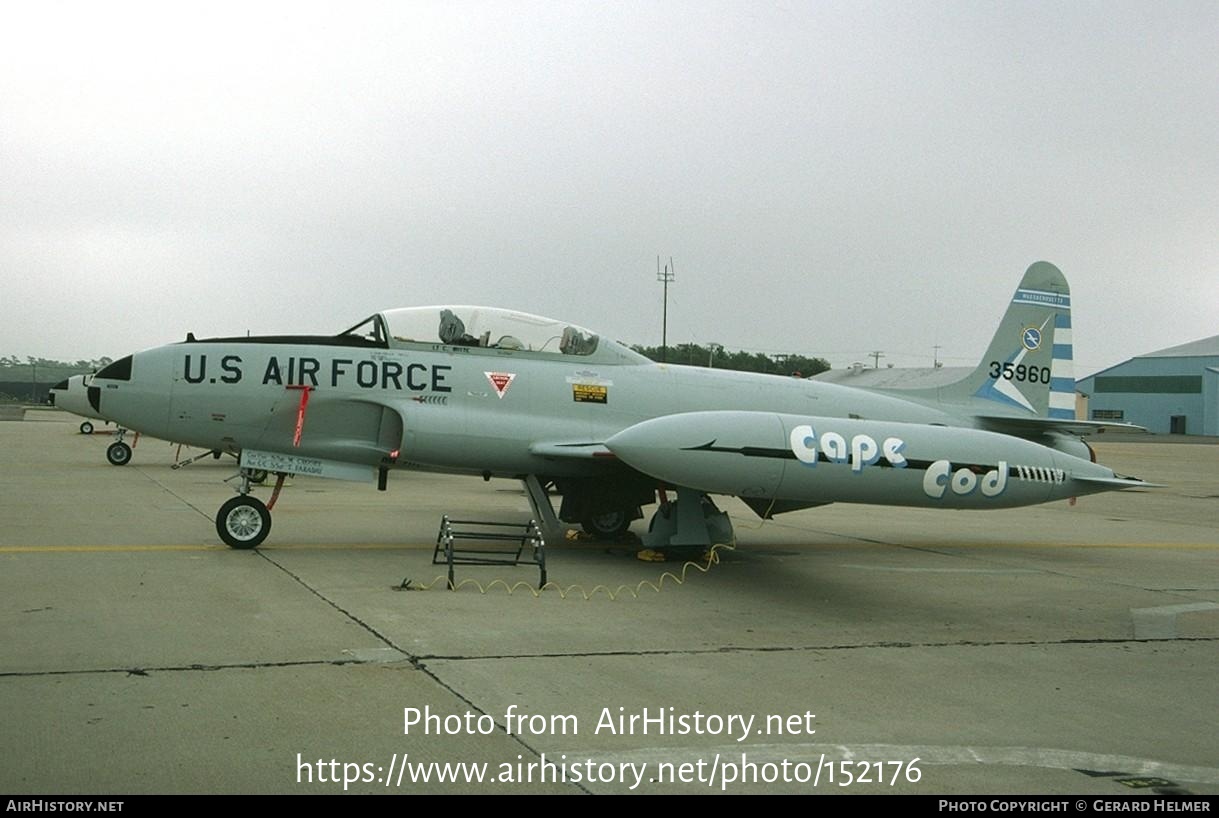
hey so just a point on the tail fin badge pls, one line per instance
(1031, 338)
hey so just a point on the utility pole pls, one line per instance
(876, 356)
(667, 276)
(713, 348)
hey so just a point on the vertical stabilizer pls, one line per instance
(1028, 367)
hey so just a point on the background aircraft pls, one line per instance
(71, 395)
(494, 392)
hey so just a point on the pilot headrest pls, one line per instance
(451, 327)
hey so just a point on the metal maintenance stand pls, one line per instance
(498, 544)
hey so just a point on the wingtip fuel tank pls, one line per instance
(787, 457)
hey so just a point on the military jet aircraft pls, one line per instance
(492, 392)
(71, 395)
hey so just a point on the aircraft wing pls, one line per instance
(575, 450)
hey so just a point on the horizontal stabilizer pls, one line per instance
(1023, 426)
(1118, 481)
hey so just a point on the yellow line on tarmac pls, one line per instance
(371, 546)
(101, 549)
(984, 545)
(87, 549)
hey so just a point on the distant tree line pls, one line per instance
(25, 364)
(29, 379)
(740, 360)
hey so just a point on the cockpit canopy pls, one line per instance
(480, 327)
(496, 331)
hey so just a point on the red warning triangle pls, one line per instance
(501, 381)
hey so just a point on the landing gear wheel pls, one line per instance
(243, 522)
(86, 428)
(608, 526)
(118, 453)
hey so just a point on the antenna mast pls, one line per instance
(667, 276)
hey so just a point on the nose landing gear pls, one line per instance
(118, 453)
(244, 521)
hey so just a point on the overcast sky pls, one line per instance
(829, 178)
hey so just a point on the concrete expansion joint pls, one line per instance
(725, 649)
(361, 623)
(193, 668)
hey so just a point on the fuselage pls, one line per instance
(579, 407)
(452, 408)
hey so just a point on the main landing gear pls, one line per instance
(690, 522)
(608, 526)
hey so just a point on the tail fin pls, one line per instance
(1029, 365)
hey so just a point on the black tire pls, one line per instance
(608, 526)
(243, 522)
(86, 428)
(118, 453)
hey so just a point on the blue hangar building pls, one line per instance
(1173, 391)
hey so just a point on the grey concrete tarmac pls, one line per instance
(1059, 649)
